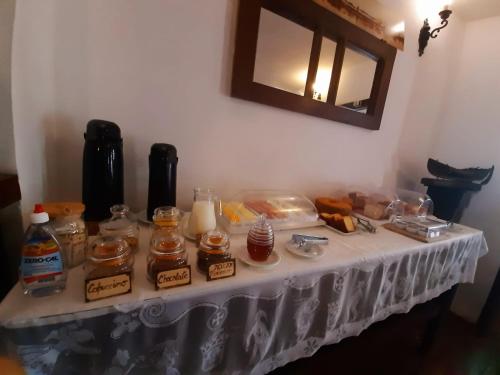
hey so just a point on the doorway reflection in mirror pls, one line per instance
(356, 81)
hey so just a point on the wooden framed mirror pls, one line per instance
(299, 56)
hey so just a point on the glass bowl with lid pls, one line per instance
(122, 223)
(214, 247)
(167, 217)
(108, 256)
(167, 251)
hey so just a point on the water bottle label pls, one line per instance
(41, 268)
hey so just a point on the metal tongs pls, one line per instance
(366, 225)
(303, 240)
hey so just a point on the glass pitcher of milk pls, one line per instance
(203, 215)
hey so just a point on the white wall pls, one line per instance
(32, 100)
(434, 74)
(470, 136)
(161, 70)
(7, 158)
(453, 117)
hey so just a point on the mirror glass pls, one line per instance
(324, 73)
(356, 81)
(283, 50)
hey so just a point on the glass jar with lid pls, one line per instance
(167, 251)
(167, 217)
(108, 256)
(214, 247)
(123, 224)
(70, 228)
(260, 240)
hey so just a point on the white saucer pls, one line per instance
(271, 262)
(314, 251)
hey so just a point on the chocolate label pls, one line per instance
(174, 277)
(221, 270)
(110, 286)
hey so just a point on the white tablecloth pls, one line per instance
(251, 323)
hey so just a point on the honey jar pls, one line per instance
(108, 256)
(260, 240)
(214, 247)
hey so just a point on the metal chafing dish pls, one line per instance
(426, 228)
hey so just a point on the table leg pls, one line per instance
(491, 309)
(434, 325)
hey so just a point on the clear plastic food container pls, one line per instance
(372, 204)
(284, 210)
(413, 214)
(413, 204)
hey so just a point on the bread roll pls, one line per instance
(374, 211)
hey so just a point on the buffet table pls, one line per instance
(251, 323)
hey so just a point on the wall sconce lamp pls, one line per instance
(425, 32)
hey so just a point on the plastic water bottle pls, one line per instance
(42, 271)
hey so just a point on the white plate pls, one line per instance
(343, 233)
(315, 250)
(271, 262)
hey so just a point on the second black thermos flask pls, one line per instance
(162, 177)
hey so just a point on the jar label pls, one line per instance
(174, 277)
(37, 268)
(109, 286)
(221, 270)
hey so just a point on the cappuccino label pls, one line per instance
(221, 270)
(105, 287)
(174, 277)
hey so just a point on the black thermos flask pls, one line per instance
(162, 177)
(102, 183)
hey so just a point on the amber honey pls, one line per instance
(259, 252)
(260, 240)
